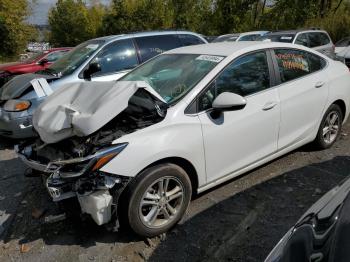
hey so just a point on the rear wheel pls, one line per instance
(158, 199)
(330, 127)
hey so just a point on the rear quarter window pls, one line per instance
(151, 46)
(316, 63)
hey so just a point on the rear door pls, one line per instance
(303, 94)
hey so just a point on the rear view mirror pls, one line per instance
(92, 69)
(228, 102)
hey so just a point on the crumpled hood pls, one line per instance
(82, 108)
(19, 84)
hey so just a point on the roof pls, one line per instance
(145, 33)
(294, 32)
(244, 33)
(59, 48)
(229, 48)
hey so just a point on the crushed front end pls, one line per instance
(72, 166)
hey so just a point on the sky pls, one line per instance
(41, 8)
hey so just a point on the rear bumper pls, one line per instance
(14, 126)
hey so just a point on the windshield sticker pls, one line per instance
(286, 38)
(293, 62)
(92, 46)
(211, 58)
(41, 87)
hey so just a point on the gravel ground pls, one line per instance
(238, 221)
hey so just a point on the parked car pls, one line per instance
(344, 56)
(315, 39)
(342, 44)
(102, 59)
(183, 122)
(37, 62)
(247, 36)
(321, 234)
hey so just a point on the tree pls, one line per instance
(14, 31)
(72, 22)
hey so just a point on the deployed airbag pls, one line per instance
(82, 108)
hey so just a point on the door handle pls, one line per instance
(319, 84)
(269, 105)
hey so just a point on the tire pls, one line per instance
(150, 215)
(324, 141)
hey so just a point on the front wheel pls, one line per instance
(158, 199)
(330, 127)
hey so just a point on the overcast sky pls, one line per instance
(41, 8)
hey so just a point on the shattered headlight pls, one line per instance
(15, 105)
(79, 166)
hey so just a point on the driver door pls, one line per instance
(116, 59)
(237, 139)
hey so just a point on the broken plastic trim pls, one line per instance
(92, 159)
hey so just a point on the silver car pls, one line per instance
(318, 40)
(102, 59)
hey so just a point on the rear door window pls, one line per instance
(118, 56)
(292, 64)
(188, 40)
(150, 46)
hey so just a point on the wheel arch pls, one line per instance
(342, 106)
(183, 163)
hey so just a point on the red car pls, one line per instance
(39, 61)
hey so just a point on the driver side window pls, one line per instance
(245, 76)
(120, 55)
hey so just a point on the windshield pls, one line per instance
(226, 38)
(174, 75)
(75, 58)
(33, 58)
(343, 43)
(284, 38)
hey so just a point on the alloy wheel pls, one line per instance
(331, 127)
(161, 202)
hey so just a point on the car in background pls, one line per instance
(322, 233)
(318, 40)
(39, 61)
(247, 36)
(103, 59)
(342, 44)
(344, 56)
(185, 121)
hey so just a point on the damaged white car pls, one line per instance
(183, 122)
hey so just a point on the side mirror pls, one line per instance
(228, 102)
(92, 69)
(43, 61)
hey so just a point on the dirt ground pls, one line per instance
(239, 221)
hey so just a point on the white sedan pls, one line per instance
(184, 122)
